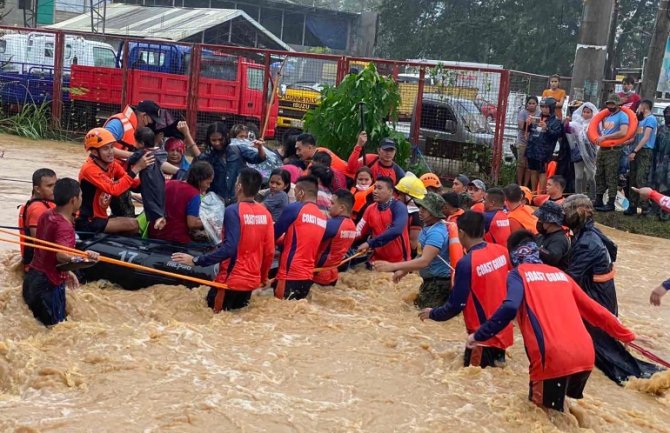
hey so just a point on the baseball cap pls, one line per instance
(479, 184)
(463, 179)
(613, 98)
(387, 143)
(150, 108)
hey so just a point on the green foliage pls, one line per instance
(33, 121)
(336, 121)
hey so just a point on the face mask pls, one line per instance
(612, 109)
(363, 187)
(540, 228)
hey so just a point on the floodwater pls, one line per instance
(354, 358)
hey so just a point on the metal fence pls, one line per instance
(459, 118)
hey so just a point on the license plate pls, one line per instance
(297, 123)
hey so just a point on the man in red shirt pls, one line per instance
(381, 164)
(302, 224)
(338, 238)
(550, 309)
(629, 98)
(44, 284)
(496, 223)
(102, 177)
(386, 223)
(246, 250)
(479, 288)
(40, 201)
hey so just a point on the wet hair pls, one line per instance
(322, 158)
(465, 200)
(145, 136)
(309, 184)
(387, 180)
(452, 199)
(345, 198)
(532, 98)
(495, 195)
(628, 80)
(560, 180)
(250, 180)
(288, 142)
(648, 103)
(363, 169)
(65, 190)
(285, 177)
(518, 238)
(578, 210)
(213, 128)
(471, 223)
(199, 171)
(237, 129)
(513, 193)
(306, 139)
(323, 174)
(41, 173)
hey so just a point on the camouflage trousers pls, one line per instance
(433, 292)
(607, 171)
(639, 176)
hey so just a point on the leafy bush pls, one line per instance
(336, 121)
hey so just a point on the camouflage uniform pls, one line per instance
(607, 171)
(433, 292)
(639, 175)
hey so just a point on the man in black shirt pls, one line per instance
(553, 241)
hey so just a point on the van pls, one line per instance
(29, 53)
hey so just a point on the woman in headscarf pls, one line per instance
(582, 151)
(592, 257)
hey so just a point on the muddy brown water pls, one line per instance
(354, 358)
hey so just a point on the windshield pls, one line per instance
(307, 72)
(472, 118)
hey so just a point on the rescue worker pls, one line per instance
(246, 250)
(479, 288)
(409, 189)
(303, 224)
(432, 182)
(385, 222)
(381, 164)
(520, 215)
(553, 241)
(663, 202)
(551, 311)
(477, 192)
(440, 251)
(305, 148)
(41, 200)
(44, 283)
(338, 238)
(607, 162)
(592, 257)
(496, 224)
(555, 187)
(102, 177)
(452, 206)
(460, 184)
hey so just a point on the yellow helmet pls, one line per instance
(431, 179)
(412, 186)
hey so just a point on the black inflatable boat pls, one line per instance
(146, 252)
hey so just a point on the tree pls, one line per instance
(335, 122)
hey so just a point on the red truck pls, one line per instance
(230, 88)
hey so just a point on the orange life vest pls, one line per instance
(128, 119)
(360, 198)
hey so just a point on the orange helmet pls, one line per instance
(98, 137)
(431, 180)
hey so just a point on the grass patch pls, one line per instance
(649, 225)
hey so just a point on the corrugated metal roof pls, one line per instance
(164, 23)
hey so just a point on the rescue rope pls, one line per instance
(647, 354)
(53, 247)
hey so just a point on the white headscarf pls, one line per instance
(577, 116)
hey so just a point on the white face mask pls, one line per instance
(363, 187)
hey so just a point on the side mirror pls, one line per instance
(450, 126)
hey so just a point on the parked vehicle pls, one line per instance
(488, 109)
(230, 88)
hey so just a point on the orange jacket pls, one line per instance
(128, 119)
(522, 218)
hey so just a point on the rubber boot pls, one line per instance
(609, 207)
(599, 201)
(632, 210)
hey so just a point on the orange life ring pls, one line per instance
(593, 132)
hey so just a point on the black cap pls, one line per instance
(387, 143)
(150, 108)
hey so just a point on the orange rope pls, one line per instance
(62, 249)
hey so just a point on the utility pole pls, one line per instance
(588, 71)
(659, 39)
